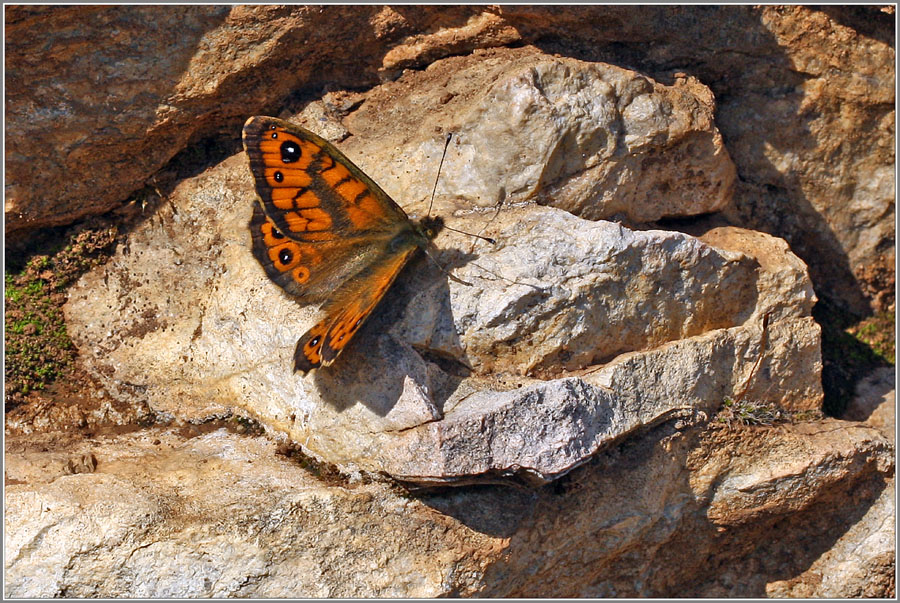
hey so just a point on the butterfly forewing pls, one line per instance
(309, 189)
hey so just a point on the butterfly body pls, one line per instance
(325, 232)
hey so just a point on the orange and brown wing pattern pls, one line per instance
(323, 230)
(309, 189)
(347, 311)
(289, 263)
(311, 271)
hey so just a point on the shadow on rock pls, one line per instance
(388, 360)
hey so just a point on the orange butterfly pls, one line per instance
(324, 231)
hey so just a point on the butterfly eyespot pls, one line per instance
(274, 134)
(314, 341)
(301, 274)
(285, 256)
(279, 177)
(276, 234)
(290, 151)
(358, 322)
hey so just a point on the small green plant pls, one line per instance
(750, 412)
(878, 333)
(760, 413)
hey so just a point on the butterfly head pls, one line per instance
(431, 226)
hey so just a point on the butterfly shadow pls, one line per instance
(398, 363)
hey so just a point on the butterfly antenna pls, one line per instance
(503, 278)
(494, 217)
(434, 190)
(440, 165)
(471, 234)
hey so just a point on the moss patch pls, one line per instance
(38, 348)
(851, 349)
(877, 332)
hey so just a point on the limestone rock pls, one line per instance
(220, 514)
(267, 528)
(585, 359)
(556, 294)
(806, 104)
(542, 431)
(580, 106)
(591, 138)
(860, 564)
(874, 402)
(841, 186)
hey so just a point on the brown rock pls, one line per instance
(105, 96)
(805, 99)
(805, 103)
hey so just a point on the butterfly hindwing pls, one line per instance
(287, 262)
(347, 311)
(309, 271)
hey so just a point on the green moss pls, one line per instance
(11, 292)
(38, 348)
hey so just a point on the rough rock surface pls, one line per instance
(746, 513)
(874, 400)
(588, 360)
(128, 87)
(805, 100)
(590, 138)
(556, 294)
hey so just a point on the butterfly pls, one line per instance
(325, 232)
